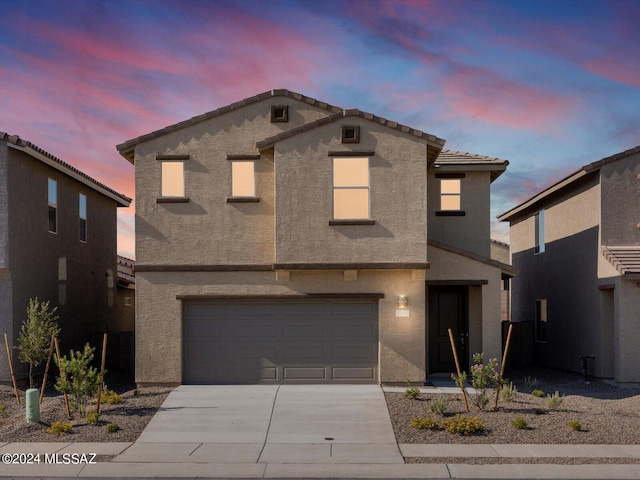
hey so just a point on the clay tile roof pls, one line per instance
(626, 259)
(451, 158)
(434, 141)
(126, 148)
(65, 167)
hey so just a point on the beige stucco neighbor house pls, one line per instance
(281, 240)
(577, 248)
(57, 243)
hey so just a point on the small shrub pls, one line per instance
(508, 392)
(520, 423)
(59, 428)
(136, 392)
(537, 393)
(110, 397)
(541, 411)
(439, 406)
(463, 425)
(554, 401)
(3, 411)
(92, 417)
(424, 423)
(113, 427)
(531, 383)
(575, 425)
(413, 393)
(484, 378)
(78, 378)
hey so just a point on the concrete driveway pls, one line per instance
(269, 424)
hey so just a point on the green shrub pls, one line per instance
(78, 378)
(484, 379)
(113, 427)
(537, 393)
(424, 423)
(575, 425)
(508, 392)
(541, 411)
(136, 392)
(554, 401)
(531, 383)
(520, 423)
(439, 406)
(3, 411)
(92, 417)
(463, 425)
(110, 397)
(413, 393)
(59, 428)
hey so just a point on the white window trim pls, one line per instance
(367, 188)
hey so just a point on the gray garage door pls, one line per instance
(306, 341)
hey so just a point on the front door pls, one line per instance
(447, 309)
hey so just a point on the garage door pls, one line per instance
(319, 341)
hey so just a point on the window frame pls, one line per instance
(445, 177)
(335, 188)
(82, 221)
(52, 205)
(541, 320)
(539, 233)
(235, 164)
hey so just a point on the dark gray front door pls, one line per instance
(447, 309)
(277, 341)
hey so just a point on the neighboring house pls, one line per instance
(123, 350)
(282, 240)
(57, 243)
(576, 246)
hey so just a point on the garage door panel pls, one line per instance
(239, 342)
(298, 330)
(305, 373)
(354, 373)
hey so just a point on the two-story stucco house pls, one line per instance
(577, 248)
(57, 243)
(281, 239)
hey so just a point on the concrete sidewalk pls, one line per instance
(189, 461)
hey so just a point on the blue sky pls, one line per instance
(548, 85)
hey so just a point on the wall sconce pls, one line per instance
(402, 310)
(402, 301)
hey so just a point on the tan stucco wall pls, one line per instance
(304, 198)
(475, 202)
(159, 314)
(626, 331)
(207, 230)
(485, 334)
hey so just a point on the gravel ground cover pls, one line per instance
(132, 415)
(609, 414)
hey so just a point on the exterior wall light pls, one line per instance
(402, 310)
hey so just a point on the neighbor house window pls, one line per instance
(82, 207)
(539, 220)
(541, 320)
(172, 179)
(350, 188)
(243, 181)
(450, 194)
(53, 206)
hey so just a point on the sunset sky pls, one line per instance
(548, 85)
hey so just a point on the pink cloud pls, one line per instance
(482, 95)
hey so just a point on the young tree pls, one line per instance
(35, 335)
(78, 378)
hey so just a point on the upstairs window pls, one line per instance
(350, 188)
(541, 320)
(539, 221)
(82, 209)
(243, 182)
(450, 196)
(172, 179)
(53, 205)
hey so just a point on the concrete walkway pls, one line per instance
(295, 432)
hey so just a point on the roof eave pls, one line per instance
(121, 201)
